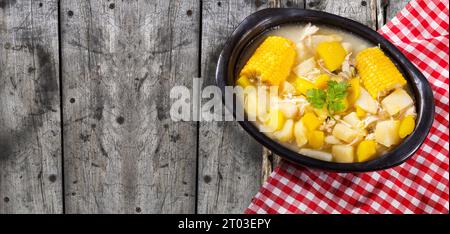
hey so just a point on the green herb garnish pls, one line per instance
(332, 98)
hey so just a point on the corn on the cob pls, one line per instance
(378, 73)
(272, 61)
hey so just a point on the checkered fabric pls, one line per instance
(421, 184)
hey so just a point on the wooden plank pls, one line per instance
(30, 131)
(123, 153)
(230, 161)
(387, 9)
(363, 11)
(287, 3)
(392, 7)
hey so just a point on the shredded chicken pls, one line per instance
(302, 104)
(323, 68)
(346, 63)
(382, 113)
(370, 136)
(308, 31)
(367, 121)
(287, 89)
(328, 125)
(312, 74)
(348, 69)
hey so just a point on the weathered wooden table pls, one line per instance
(84, 105)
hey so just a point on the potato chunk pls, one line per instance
(251, 104)
(366, 150)
(360, 112)
(302, 85)
(300, 134)
(276, 120)
(321, 81)
(352, 119)
(317, 39)
(332, 140)
(316, 139)
(332, 53)
(305, 67)
(396, 101)
(256, 103)
(407, 126)
(386, 132)
(317, 154)
(342, 153)
(345, 133)
(289, 109)
(286, 134)
(354, 90)
(310, 121)
(366, 102)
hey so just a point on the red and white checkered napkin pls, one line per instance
(421, 184)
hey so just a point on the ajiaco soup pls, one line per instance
(338, 98)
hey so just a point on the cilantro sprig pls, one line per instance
(332, 97)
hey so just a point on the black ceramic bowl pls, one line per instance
(264, 20)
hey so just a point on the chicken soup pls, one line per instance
(338, 98)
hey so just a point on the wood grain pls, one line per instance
(363, 11)
(119, 60)
(230, 161)
(30, 136)
(123, 153)
(392, 7)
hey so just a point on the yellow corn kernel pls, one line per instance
(354, 90)
(310, 121)
(360, 112)
(378, 73)
(272, 61)
(407, 126)
(332, 53)
(276, 120)
(316, 139)
(302, 85)
(366, 150)
(321, 81)
(243, 81)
